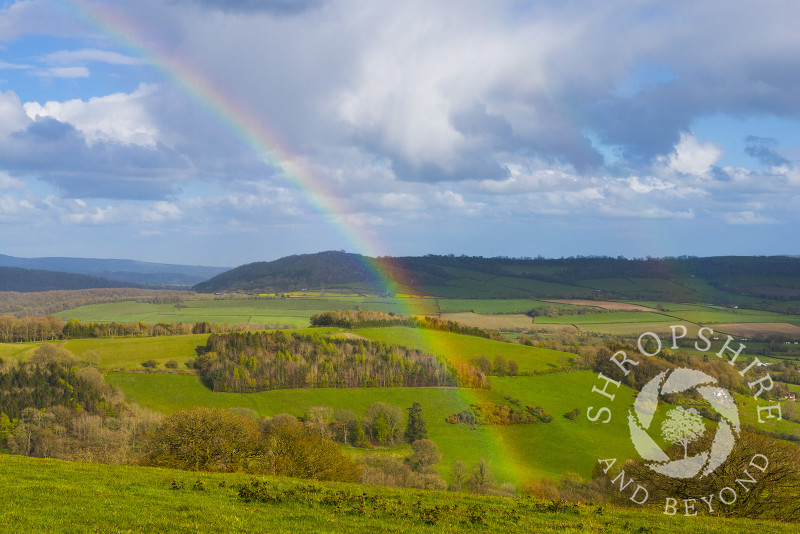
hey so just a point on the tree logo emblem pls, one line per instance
(683, 426)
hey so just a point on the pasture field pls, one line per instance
(487, 306)
(458, 347)
(130, 352)
(167, 393)
(612, 317)
(293, 312)
(55, 496)
(516, 453)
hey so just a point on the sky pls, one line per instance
(223, 132)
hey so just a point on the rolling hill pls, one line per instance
(32, 280)
(719, 280)
(125, 271)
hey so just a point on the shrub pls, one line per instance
(150, 364)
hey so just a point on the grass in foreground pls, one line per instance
(57, 496)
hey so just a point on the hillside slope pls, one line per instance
(720, 280)
(33, 280)
(44, 496)
(126, 271)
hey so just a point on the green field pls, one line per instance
(457, 347)
(292, 312)
(514, 452)
(55, 496)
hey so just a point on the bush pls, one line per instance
(172, 364)
(150, 364)
(204, 439)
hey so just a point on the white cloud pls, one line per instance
(12, 115)
(694, 157)
(90, 54)
(401, 201)
(9, 182)
(63, 72)
(118, 118)
(13, 66)
(747, 217)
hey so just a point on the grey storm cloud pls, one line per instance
(279, 7)
(762, 149)
(58, 154)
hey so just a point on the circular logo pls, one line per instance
(683, 426)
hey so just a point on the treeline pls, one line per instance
(49, 302)
(371, 319)
(259, 361)
(49, 328)
(487, 413)
(381, 425)
(553, 310)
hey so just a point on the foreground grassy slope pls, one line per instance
(56, 496)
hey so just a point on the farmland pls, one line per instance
(518, 454)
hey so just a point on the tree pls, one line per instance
(481, 480)
(458, 473)
(416, 428)
(298, 451)
(343, 421)
(359, 436)
(500, 366)
(426, 454)
(204, 439)
(383, 422)
(683, 427)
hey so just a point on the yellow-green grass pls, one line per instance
(17, 351)
(293, 312)
(604, 318)
(748, 414)
(462, 348)
(487, 306)
(548, 450)
(45, 495)
(167, 393)
(130, 352)
(516, 453)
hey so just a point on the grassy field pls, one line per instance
(457, 347)
(167, 393)
(514, 452)
(57, 496)
(292, 312)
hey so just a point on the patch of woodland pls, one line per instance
(259, 361)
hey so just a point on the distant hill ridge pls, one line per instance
(713, 279)
(34, 280)
(126, 271)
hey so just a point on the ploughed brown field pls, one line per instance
(759, 329)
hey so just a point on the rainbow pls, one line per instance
(268, 145)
